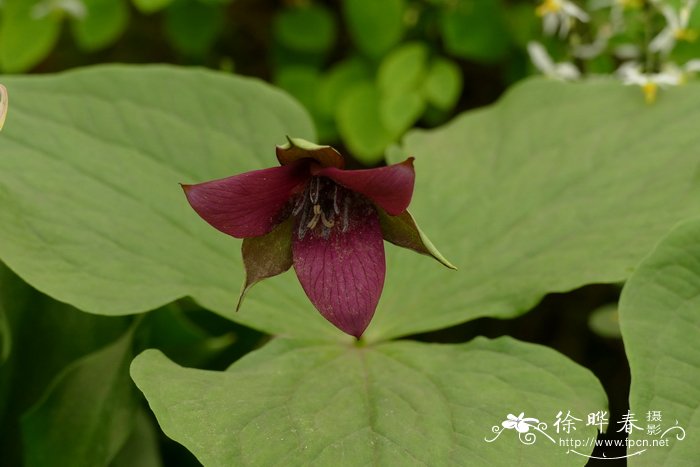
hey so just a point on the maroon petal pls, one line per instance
(343, 274)
(391, 187)
(249, 204)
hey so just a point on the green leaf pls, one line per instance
(103, 24)
(443, 84)
(46, 336)
(475, 29)
(360, 123)
(88, 412)
(309, 29)
(403, 70)
(556, 186)
(127, 241)
(142, 448)
(399, 111)
(336, 83)
(192, 27)
(375, 27)
(25, 40)
(151, 6)
(306, 403)
(302, 82)
(660, 323)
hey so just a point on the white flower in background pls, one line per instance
(561, 15)
(73, 8)
(595, 48)
(627, 52)
(544, 63)
(682, 73)
(617, 10)
(676, 28)
(631, 74)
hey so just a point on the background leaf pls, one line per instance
(24, 39)
(88, 413)
(375, 27)
(660, 324)
(46, 336)
(305, 403)
(103, 23)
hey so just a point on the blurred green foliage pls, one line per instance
(366, 70)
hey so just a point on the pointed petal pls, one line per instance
(403, 231)
(343, 275)
(296, 149)
(249, 204)
(266, 256)
(390, 187)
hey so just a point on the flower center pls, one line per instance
(548, 7)
(322, 206)
(685, 34)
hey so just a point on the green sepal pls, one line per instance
(296, 149)
(266, 256)
(403, 231)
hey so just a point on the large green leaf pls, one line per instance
(660, 323)
(45, 337)
(90, 207)
(87, 414)
(400, 403)
(556, 186)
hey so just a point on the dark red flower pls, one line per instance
(325, 221)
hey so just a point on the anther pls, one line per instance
(328, 223)
(313, 194)
(317, 215)
(335, 199)
(346, 207)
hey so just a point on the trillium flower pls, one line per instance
(327, 222)
(544, 63)
(519, 423)
(560, 14)
(676, 28)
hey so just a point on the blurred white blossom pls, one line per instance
(676, 28)
(560, 15)
(631, 74)
(617, 10)
(595, 48)
(544, 63)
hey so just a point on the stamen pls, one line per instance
(317, 215)
(346, 208)
(315, 185)
(302, 224)
(328, 223)
(335, 200)
(301, 202)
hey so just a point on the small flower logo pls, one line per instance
(519, 423)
